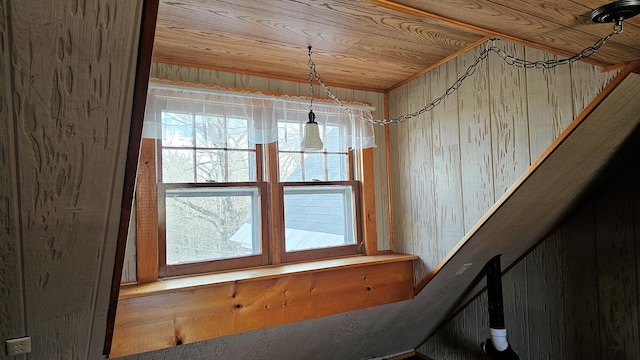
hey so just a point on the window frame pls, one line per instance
(326, 252)
(360, 162)
(170, 270)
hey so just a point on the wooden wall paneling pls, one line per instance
(447, 185)
(545, 281)
(580, 285)
(129, 269)
(516, 296)
(288, 87)
(71, 114)
(616, 263)
(12, 310)
(509, 128)
(587, 82)
(380, 170)
(207, 76)
(475, 141)
(420, 233)
(460, 338)
(549, 102)
(175, 72)
(398, 137)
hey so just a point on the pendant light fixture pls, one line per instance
(311, 140)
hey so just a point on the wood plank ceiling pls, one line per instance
(369, 44)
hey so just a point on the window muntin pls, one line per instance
(198, 148)
(332, 164)
(208, 141)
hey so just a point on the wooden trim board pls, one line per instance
(184, 310)
(541, 197)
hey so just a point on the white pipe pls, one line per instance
(499, 339)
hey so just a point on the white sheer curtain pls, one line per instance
(263, 112)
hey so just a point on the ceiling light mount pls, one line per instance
(616, 11)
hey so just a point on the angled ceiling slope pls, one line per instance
(540, 198)
(371, 44)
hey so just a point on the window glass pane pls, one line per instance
(177, 129)
(289, 136)
(314, 167)
(210, 131)
(241, 166)
(177, 165)
(337, 165)
(225, 166)
(318, 217)
(237, 133)
(290, 166)
(334, 139)
(211, 223)
(211, 165)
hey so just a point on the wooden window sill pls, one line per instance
(183, 310)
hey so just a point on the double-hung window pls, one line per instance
(235, 189)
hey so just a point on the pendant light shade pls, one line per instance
(311, 140)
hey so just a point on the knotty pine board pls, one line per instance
(68, 70)
(501, 133)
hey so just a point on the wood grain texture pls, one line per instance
(12, 309)
(567, 272)
(509, 127)
(544, 276)
(355, 39)
(206, 312)
(549, 102)
(146, 214)
(506, 117)
(70, 113)
(568, 186)
(475, 138)
(580, 301)
(616, 263)
(354, 36)
(447, 187)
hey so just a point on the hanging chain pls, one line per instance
(550, 64)
(312, 67)
(490, 47)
